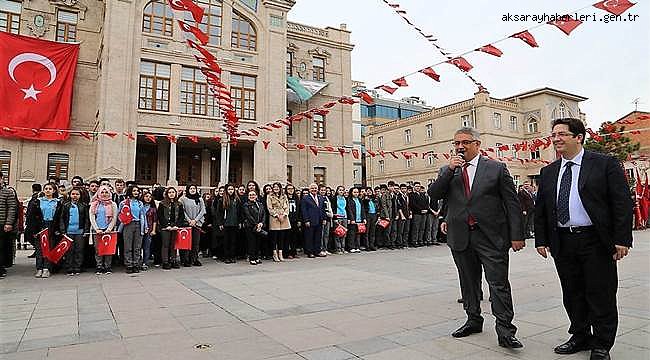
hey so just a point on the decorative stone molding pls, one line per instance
(320, 52)
(292, 47)
(307, 29)
(75, 4)
(39, 25)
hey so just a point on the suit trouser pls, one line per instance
(168, 246)
(312, 239)
(432, 236)
(589, 280)
(75, 256)
(427, 228)
(417, 229)
(132, 244)
(192, 255)
(481, 251)
(253, 243)
(392, 234)
(371, 232)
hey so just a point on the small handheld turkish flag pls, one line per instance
(125, 215)
(60, 249)
(36, 80)
(44, 241)
(106, 243)
(184, 238)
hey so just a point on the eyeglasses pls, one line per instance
(464, 142)
(562, 134)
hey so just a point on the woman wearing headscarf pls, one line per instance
(194, 208)
(103, 216)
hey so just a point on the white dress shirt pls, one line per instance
(471, 170)
(577, 214)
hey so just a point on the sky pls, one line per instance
(608, 63)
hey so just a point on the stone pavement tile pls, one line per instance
(625, 351)
(19, 299)
(114, 349)
(551, 318)
(39, 354)
(364, 328)
(11, 336)
(287, 357)
(636, 312)
(444, 328)
(410, 337)
(308, 339)
(12, 325)
(51, 331)
(259, 348)
(412, 319)
(553, 337)
(52, 312)
(446, 348)
(94, 316)
(636, 338)
(490, 355)
(149, 326)
(127, 316)
(368, 346)
(48, 342)
(527, 330)
(627, 323)
(101, 325)
(531, 350)
(6, 315)
(206, 320)
(95, 336)
(95, 307)
(191, 309)
(289, 323)
(170, 344)
(401, 353)
(8, 347)
(379, 309)
(327, 353)
(65, 320)
(220, 334)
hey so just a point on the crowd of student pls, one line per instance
(228, 223)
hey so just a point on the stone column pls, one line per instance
(205, 167)
(171, 180)
(225, 163)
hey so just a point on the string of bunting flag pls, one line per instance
(565, 23)
(432, 40)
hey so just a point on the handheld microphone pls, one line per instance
(459, 152)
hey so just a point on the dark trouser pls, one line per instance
(119, 255)
(146, 249)
(294, 238)
(132, 244)
(75, 256)
(7, 240)
(312, 239)
(353, 237)
(481, 251)
(278, 239)
(589, 282)
(393, 233)
(529, 222)
(168, 246)
(229, 242)
(417, 229)
(434, 224)
(253, 242)
(399, 228)
(241, 245)
(371, 229)
(190, 256)
(156, 248)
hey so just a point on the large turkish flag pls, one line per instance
(36, 79)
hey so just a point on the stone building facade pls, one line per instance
(136, 74)
(511, 120)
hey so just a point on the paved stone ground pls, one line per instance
(382, 305)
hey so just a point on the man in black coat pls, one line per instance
(583, 215)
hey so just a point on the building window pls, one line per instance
(409, 163)
(319, 175)
(290, 126)
(318, 127)
(465, 121)
(289, 173)
(355, 174)
(5, 163)
(516, 180)
(154, 86)
(561, 111)
(408, 138)
(66, 26)
(243, 35)
(318, 65)
(513, 123)
(158, 18)
(382, 166)
(534, 155)
(532, 125)
(57, 165)
(195, 99)
(252, 4)
(429, 131)
(289, 63)
(10, 16)
(242, 91)
(211, 21)
(380, 142)
(497, 120)
(431, 160)
(498, 151)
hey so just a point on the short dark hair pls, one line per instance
(391, 183)
(402, 185)
(37, 188)
(94, 182)
(417, 183)
(120, 181)
(576, 126)
(383, 186)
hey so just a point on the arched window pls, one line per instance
(244, 35)
(212, 19)
(561, 111)
(532, 125)
(158, 18)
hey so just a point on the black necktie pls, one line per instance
(563, 196)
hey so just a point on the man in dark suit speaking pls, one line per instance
(583, 215)
(483, 222)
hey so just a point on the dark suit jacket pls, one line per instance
(312, 213)
(604, 194)
(493, 203)
(525, 200)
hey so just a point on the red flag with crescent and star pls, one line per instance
(60, 249)
(44, 241)
(184, 238)
(106, 243)
(36, 80)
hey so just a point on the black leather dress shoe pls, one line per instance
(466, 330)
(510, 342)
(599, 354)
(572, 346)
